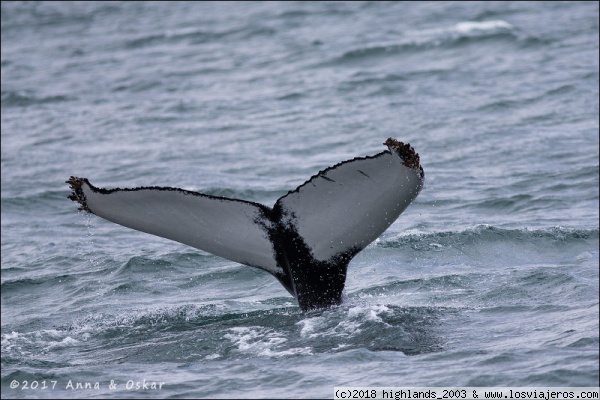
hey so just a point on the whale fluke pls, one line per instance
(306, 240)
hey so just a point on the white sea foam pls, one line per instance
(474, 26)
(263, 342)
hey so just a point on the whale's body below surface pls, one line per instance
(306, 240)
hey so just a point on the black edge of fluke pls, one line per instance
(77, 194)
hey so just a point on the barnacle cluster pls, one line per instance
(408, 155)
(77, 194)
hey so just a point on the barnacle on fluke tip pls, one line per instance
(77, 194)
(406, 152)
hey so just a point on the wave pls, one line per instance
(485, 267)
(190, 333)
(18, 14)
(437, 241)
(27, 98)
(504, 105)
(22, 285)
(402, 314)
(196, 37)
(49, 201)
(456, 36)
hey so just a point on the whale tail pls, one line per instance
(306, 240)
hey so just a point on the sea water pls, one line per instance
(490, 278)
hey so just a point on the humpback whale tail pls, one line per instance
(306, 240)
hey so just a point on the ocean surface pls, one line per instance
(490, 277)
